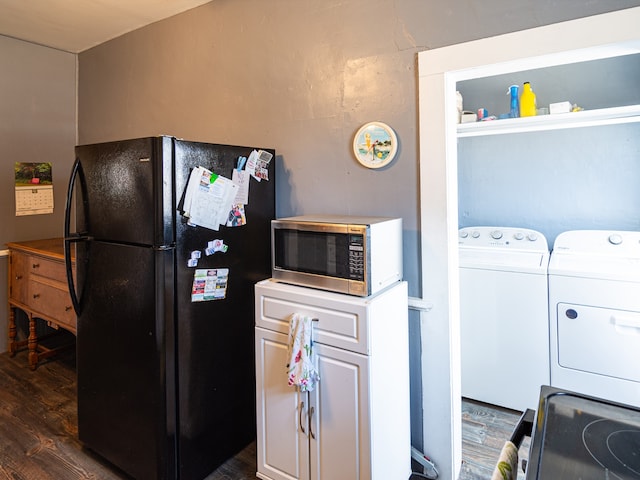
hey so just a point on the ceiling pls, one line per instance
(76, 25)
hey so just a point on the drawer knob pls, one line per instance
(36, 295)
(18, 277)
(35, 265)
(67, 308)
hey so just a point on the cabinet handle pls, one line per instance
(35, 265)
(300, 417)
(311, 423)
(36, 295)
(18, 277)
(67, 308)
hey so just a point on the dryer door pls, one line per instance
(599, 340)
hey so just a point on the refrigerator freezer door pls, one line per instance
(125, 192)
(125, 352)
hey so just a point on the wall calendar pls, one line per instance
(34, 188)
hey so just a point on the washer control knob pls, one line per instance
(496, 234)
(615, 239)
(532, 237)
(475, 234)
(518, 235)
(463, 234)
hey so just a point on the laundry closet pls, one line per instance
(553, 173)
(549, 173)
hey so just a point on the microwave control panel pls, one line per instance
(356, 257)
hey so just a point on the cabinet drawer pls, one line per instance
(47, 268)
(53, 303)
(342, 329)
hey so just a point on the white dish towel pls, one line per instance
(301, 370)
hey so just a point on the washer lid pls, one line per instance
(500, 260)
(604, 254)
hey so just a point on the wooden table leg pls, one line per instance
(13, 348)
(33, 343)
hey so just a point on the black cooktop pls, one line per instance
(584, 438)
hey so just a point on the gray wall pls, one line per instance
(561, 180)
(300, 76)
(37, 124)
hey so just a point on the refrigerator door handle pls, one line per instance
(71, 238)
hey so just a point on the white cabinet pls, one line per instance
(355, 425)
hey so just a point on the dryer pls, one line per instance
(504, 320)
(594, 308)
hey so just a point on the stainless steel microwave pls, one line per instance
(346, 254)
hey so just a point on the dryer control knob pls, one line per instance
(532, 237)
(518, 235)
(496, 234)
(615, 239)
(464, 234)
(475, 234)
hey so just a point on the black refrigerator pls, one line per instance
(166, 378)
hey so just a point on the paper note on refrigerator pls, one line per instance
(241, 178)
(258, 164)
(208, 198)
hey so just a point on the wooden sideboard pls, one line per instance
(38, 286)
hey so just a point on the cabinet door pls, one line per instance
(282, 421)
(339, 416)
(19, 277)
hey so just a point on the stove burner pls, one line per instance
(615, 446)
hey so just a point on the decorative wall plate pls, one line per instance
(375, 145)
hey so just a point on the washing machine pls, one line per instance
(594, 308)
(504, 320)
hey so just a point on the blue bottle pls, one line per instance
(514, 108)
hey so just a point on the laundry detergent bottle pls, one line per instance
(514, 102)
(527, 101)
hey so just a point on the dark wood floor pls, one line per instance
(38, 430)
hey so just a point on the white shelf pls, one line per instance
(585, 118)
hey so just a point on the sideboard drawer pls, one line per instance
(52, 303)
(48, 268)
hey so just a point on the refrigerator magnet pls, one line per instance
(214, 246)
(193, 259)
